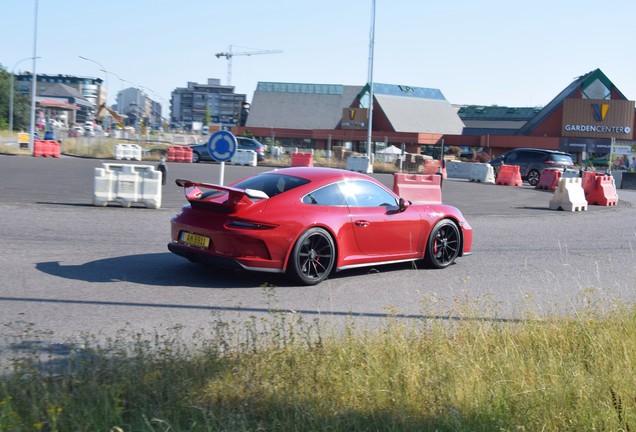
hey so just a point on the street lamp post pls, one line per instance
(11, 93)
(152, 113)
(371, 49)
(138, 91)
(103, 69)
(34, 79)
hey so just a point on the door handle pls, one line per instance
(362, 223)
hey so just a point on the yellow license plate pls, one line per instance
(195, 239)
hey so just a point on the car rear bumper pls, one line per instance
(217, 261)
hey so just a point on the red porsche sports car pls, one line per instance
(309, 221)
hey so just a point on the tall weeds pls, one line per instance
(281, 372)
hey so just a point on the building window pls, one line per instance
(596, 90)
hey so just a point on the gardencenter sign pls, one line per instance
(598, 118)
(599, 129)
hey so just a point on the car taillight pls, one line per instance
(550, 162)
(248, 225)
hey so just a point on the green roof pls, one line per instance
(280, 87)
(480, 112)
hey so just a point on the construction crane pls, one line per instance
(229, 54)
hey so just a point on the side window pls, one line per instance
(534, 156)
(271, 184)
(363, 193)
(325, 196)
(511, 158)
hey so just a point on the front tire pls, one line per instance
(533, 177)
(444, 244)
(313, 257)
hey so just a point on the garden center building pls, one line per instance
(588, 116)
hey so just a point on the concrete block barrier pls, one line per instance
(126, 185)
(422, 188)
(460, 170)
(569, 196)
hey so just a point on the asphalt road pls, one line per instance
(71, 268)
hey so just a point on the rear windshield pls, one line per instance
(272, 184)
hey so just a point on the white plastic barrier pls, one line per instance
(127, 184)
(360, 164)
(482, 172)
(127, 152)
(276, 152)
(244, 157)
(569, 195)
(473, 171)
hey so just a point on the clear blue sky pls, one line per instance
(476, 52)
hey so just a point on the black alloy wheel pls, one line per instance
(444, 244)
(533, 177)
(313, 257)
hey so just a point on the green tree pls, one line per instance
(21, 107)
(207, 118)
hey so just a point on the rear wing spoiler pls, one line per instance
(232, 197)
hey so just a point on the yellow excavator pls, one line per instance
(116, 116)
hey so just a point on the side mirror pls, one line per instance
(402, 204)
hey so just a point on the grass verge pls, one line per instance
(285, 373)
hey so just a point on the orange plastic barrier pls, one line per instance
(186, 154)
(549, 179)
(432, 166)
(603, 191)
(587, 181)
(179, 154)
(302, 160)
(46, 148)
(38, 148)
(54, 148)
(423, 188)
(509, 175)
(170, 156)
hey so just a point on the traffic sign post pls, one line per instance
(222, 145)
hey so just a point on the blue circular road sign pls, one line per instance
(222, 145)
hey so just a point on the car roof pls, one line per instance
(319, 173)
(540, 149)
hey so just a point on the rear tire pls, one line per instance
(444, 245)
(195, 157)
(313, 257)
